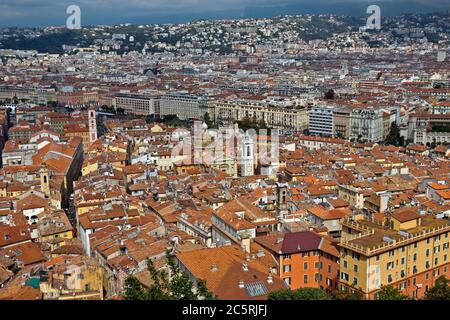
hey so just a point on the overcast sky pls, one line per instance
(53, 12)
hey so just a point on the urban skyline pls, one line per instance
(291, 157)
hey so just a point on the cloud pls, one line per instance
(51, 12)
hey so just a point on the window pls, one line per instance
(287, 256)
(355, 281)
(377, 257)
(330, 269)
(287, 268)
(414, 256)
(305, 266)
(403, 261)
(389, 278)
(427, 276)
(344, 276)
(415, 244)
(355, 268)
(287, 281)
(305, 278)
(345, 264)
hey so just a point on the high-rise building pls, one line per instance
(321, 121)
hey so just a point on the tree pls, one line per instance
(133, 289)
(329, 95)
(174, 285)
(394, 138)
(440, 290)
(172, 120)
(207, 120)
(299, 294)
(252, 123)
(282, 294)
(262, 124)
(391, 293)
(346, 295)
(310, 294)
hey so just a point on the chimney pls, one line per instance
(245, 266)
(241, 284)
(269, 279)
(214, 267)
(245, 244)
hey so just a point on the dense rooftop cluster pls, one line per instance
(343, 186)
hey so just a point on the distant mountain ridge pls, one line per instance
(294, 7)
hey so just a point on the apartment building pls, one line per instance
(407, 250)
(184, 106)
(421, 124)
(305, 259)
(317, 143)
(341, 122)
(366, 124)
(288, 118)
(238, 221)
(137, 104)
(321, 121)
(440, 108)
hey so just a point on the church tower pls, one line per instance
(45, 180)
(92, 125)
(282, 205)
(247, 156)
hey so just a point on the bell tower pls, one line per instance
(282, 194)
(45, 180)
(92, 125)
(247, 156)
